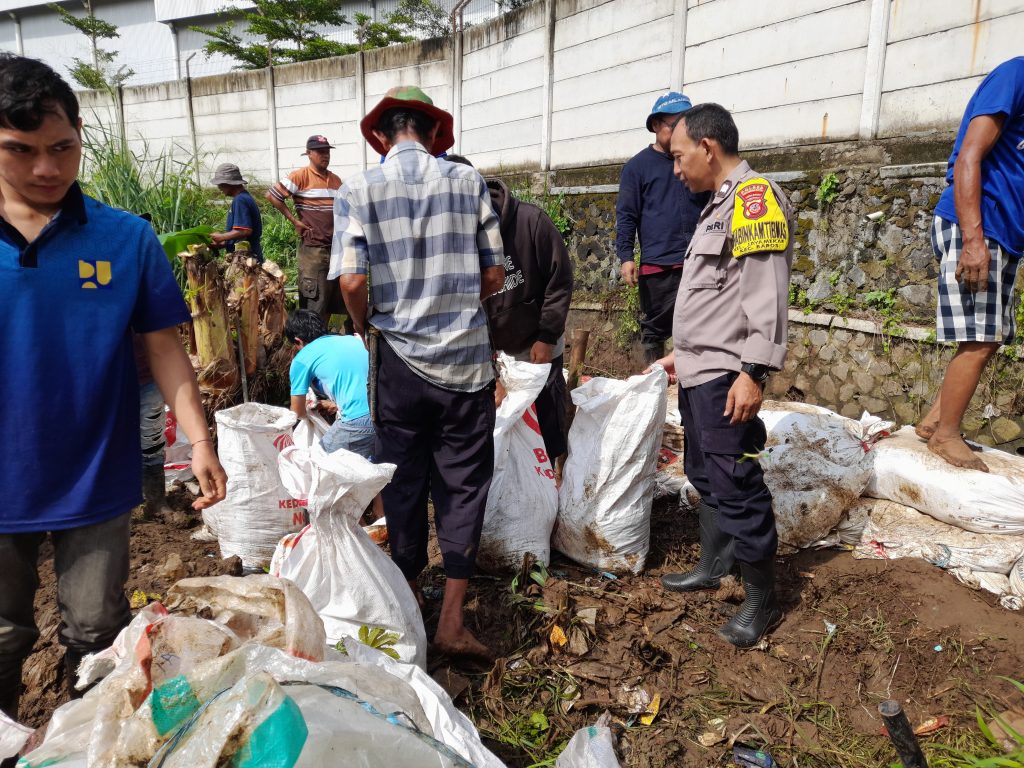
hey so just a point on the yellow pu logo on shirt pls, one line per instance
(758, 222)
(94, 274)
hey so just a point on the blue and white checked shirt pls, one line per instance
(423, 229)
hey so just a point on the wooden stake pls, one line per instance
(580, 340)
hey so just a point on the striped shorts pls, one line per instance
(961, 315)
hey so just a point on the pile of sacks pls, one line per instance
(843, 482)
(236, 671)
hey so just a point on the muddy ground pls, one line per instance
(903, 630)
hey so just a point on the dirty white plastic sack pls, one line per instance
(12, 736)
(996, 583)
(908, 473)
(348, 579)
(848, 530)
(591, 747)
(816, 465)
(896, 530)
(189, 692)
(258, 510)
(446, 722)
(604, 505)
(523, 501)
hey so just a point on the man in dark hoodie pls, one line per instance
(527, 316)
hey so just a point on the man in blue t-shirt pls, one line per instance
(339, 366)
(78, 279)
(978, 238)
(244, 221)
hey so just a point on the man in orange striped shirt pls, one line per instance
(312, 189)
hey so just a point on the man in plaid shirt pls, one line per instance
(423, 232)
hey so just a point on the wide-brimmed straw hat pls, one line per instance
(411, 97)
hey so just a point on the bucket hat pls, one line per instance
(227, 173)
(672, 103)
(411, 97)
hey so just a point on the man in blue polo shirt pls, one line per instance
(76, 280)
(978, 238)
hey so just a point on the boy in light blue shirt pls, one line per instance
(339, 365)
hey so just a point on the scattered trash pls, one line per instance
(604, 504)
(557, 637)
(937, 649)
(377, 531)
(588, 616)
(652, 710)
(715, 733)
(591, 747)
(747, 757)
(931, 725)
(1006, 729)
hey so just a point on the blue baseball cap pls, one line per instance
(672, 103)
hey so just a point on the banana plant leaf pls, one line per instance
(176, 242)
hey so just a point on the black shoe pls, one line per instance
(716, 557)
(760, 610)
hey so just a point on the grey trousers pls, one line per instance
(92, 567)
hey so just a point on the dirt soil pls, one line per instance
(903, 630)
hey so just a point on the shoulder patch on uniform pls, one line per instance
(758, 222)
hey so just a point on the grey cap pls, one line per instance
(227, 173)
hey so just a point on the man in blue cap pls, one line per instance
(657, 208)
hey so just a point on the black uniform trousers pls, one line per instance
(713, 457)
(442, 443)
(657, 305)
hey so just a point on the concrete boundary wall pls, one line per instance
(564, 84)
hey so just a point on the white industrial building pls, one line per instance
(156, 40)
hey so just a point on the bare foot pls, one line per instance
(925, 430)
(956, 452)
(464, 645)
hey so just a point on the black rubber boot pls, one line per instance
(10, 689)
(760, 610)
(154, 493)
(72, 660)
(653, 352)
(716, 556)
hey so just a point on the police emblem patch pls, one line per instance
(752, 197)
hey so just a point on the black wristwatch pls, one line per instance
(756, 371)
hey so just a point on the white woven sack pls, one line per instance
(523, 502)
(604, 505)
(895, 530)
(258, 510)
(349, 580)
(985, 502)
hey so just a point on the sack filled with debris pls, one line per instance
(984, 502)
(816, 464)
(895, 530)
(523, 501)
(182, 691)
(257, 510)
(351, 582)
(604, 504)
